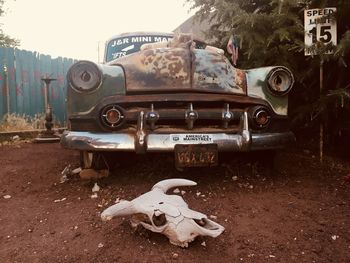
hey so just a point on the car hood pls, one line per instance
(181, 69)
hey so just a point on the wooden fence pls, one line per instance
(21, 88)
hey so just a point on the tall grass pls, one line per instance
(18, 122)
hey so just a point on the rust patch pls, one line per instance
(241, 79)
(152, 70)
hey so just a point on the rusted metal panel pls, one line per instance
(158, 69)
(213, 72)
(177, 65)
(257, 87)
(113, 84)
(184, 97)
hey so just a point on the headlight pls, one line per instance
(280, 80)
(84, 76)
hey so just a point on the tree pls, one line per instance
(271, 32)
(5, 40)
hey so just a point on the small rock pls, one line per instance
(175, 255)
(66, 170)
(198, 194)
(60, 200)
(335, 237)
(30, 230)
(234, 178)
(272, 256)
(203, 244)
(16, 138)
(93, 196)
(76, 170)
(100, 245)
(213, 217)
(183, 192)
(96, 188)
(251, 186)
(176, 191)
(7, 196)
(117, 200)
(63, 179)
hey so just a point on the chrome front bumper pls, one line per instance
(143, 141)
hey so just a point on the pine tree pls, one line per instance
(5, 40)
(271, 32)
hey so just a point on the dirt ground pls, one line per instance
(301, 214)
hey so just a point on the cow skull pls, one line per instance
(166, 214)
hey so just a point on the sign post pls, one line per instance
(320, 27)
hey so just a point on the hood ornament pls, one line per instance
(166, 214)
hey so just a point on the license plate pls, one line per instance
(196, 155)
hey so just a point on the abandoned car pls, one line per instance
(160, 92)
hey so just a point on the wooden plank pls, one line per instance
(10, 62)
(20, 60)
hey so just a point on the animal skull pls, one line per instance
(166, 214)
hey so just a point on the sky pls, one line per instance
(76, 28)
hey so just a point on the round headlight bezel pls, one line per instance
(256, 114)
(84, 76)
(110, 124)
(280, 81)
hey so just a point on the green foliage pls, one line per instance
(271, 32)
(5, 40)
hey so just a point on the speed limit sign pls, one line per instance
(319, 26)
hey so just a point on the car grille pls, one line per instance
(180, 117)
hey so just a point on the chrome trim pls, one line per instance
(190, 116)
(245, 141)
(147, 141)
(227, 115)
(246, 135)
(140, 142)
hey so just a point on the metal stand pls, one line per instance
(48, 135)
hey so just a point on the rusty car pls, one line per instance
(164, 92)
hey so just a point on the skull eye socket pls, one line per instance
(159, 220)
(205, 223)
(142, 217)
(200, 222)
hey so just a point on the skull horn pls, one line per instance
(165, 185)
(123, 208)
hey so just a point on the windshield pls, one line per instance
(126, 45)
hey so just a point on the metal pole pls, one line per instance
(7, 89)
(321, 124)
(46, 95)
(48, 135)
